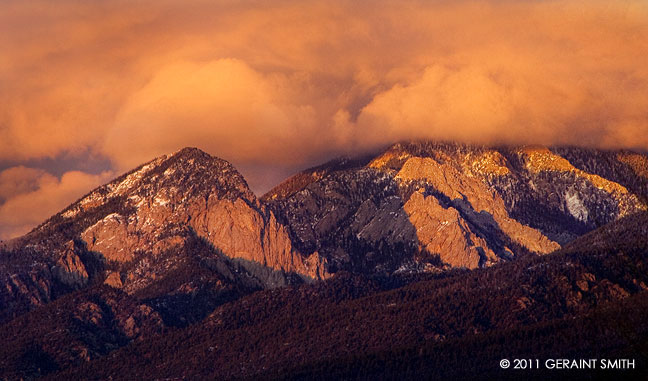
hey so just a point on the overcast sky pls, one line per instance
(89, 89)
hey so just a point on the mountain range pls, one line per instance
(407, 261)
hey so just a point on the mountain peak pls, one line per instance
(180, 176)
(190, 158)
(191, 152)
(147, 224)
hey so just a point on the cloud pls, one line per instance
(548, 73)
(280, 76)
(30, 195)
(223, 106)
(277, 86)
(18, 180)
(437, 102)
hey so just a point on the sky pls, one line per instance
(89, 90)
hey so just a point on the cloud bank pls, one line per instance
(277, 86)
(28, 196)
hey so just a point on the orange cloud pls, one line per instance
(284, 84)
(223, 106)
(31, 195)
(541, 71)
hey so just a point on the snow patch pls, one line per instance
(70, 213)
(159, 201)
(576, 207)
(112, 216)
(134, 177)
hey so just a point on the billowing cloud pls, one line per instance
(275, 86)
(223, 106)
(31, 195)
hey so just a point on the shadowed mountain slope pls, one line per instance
(575, 303)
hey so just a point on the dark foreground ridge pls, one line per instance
(589, 300)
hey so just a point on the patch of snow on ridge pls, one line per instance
(70, 213)
(576, 207)
(113, 216)
(132, 179)
(116, 217)
(89, 201)
(160, 201)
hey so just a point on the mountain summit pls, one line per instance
(468, 206)
(143, 226)
(174, 240)
(415, 207)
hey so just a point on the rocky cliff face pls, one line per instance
(185, 227)
(182, 236)
(470, 206)
(193, 190)
(135, 230)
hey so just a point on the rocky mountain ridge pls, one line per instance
(586, 300)
(128, 233)
(414, 207)
(171, 243)
(471, 206)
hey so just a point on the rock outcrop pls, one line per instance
(194, 190)
(415, 207)
(69, 269)
(472, 206)
(143, 227)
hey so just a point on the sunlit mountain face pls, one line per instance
(481, 243)
(339, 190)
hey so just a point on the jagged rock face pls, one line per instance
(414, 207)
(69, 268)
(442, 230)
(478, 204)
(134, 231)
(346, 212)
(30, 277)
(471, 206)
(190, 189)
